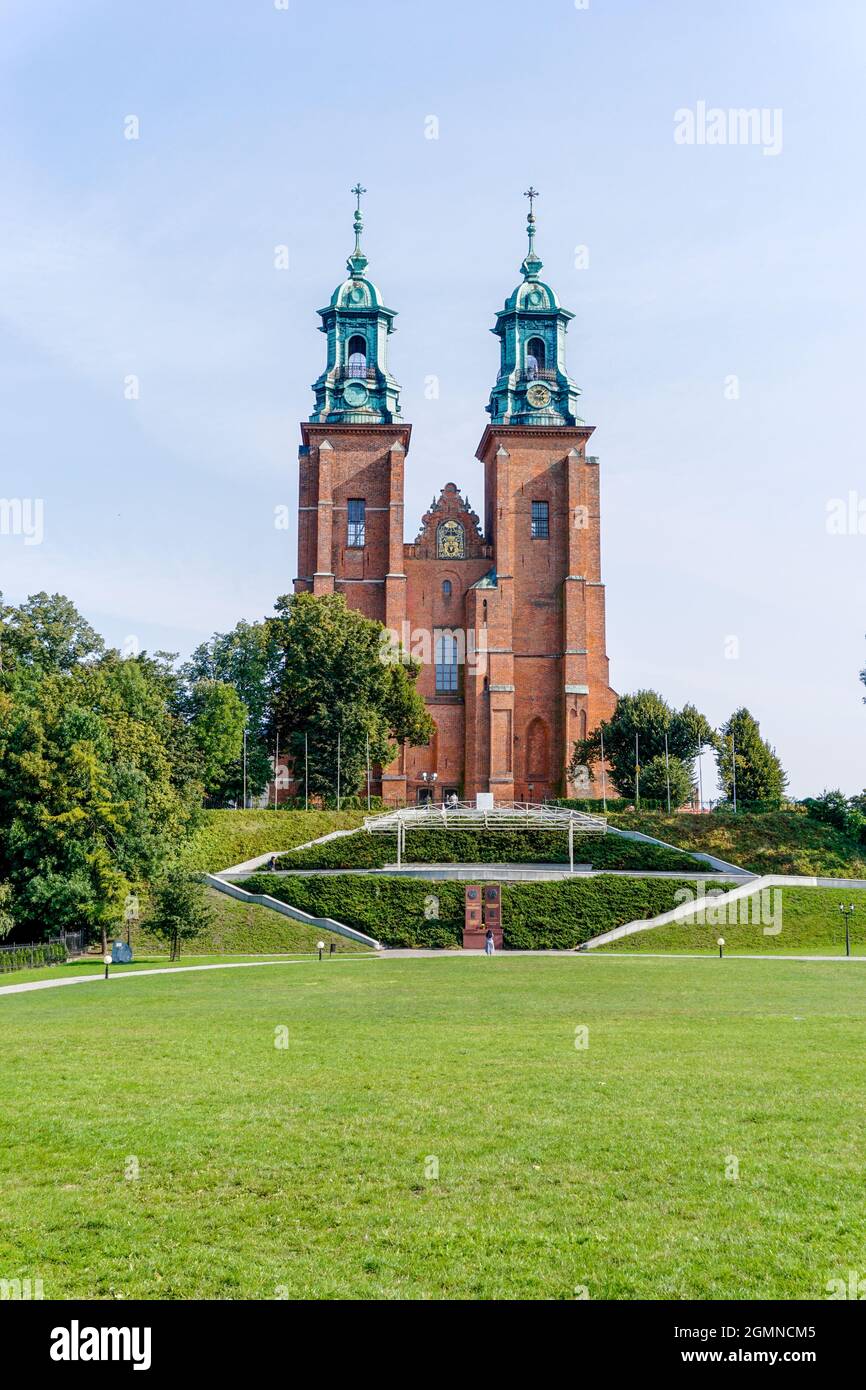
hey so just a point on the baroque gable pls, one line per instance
(450, 529)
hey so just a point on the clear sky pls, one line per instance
(154, 258)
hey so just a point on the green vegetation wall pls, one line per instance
(418, 913)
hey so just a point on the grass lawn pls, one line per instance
(810, 919)
(307, 1171)
(770, 842)
(226, 838)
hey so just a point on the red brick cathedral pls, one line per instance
(508, 618)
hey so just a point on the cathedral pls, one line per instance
(509, 613)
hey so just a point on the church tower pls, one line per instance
(547, 682)
(351, 461)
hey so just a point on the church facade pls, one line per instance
(508, 613)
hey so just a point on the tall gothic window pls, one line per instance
(446, 660)
(357, 355)
(357, 522)
(535, 358)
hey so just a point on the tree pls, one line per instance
(45, 634)
(648, 717)
(246, 659)
(180, 910)
(760, 778)
(339, 684)
(6, 919)
(655, 776)
(217, 717)
(98, 788)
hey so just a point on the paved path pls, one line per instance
(399, 955)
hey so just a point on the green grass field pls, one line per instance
(810, 920)
(308, 1171)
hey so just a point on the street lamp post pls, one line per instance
(721, 945)
(847, 913)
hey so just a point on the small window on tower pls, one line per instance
(357, 355)
(446, 588)
(534, 357)
(357, 522)
(540, 521)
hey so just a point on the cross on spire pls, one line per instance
(532, 263)
(357, 262)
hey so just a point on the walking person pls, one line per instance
(489, 946)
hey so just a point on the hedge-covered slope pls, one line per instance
(440, 846)
(810, 920)
(770, 842)
(240, 928)
(535, 916)
(231, 837)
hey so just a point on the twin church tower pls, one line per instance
(510, 619)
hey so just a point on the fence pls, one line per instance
(29, 955)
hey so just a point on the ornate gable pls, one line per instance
(450, 529)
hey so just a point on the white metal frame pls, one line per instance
(512, 815)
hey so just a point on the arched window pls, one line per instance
(446, 588)
(357, 363)
(484, 612)
(535, 359)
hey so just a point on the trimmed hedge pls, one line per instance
(27, 957)
(535, 916)
(435, 846)
(232, 837)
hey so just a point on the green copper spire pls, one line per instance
(532, 262)
(356, 387)
(357, 262)
(533, 386)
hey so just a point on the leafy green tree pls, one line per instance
(98, 788)
(46, 633)
(6, 919)
(760, 777)
(217, 717)
(247, 659)
(648, 717)
(654, 778)
(339, 684)
(179, 911)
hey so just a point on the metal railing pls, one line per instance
(353, 373)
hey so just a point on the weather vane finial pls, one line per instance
(357, 262)
(532, 264)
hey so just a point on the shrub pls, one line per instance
(26, 957)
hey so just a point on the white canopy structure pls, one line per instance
(513, 815)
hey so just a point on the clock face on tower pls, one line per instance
(450, 541)
(538, 395)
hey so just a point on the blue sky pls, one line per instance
(155, 258)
